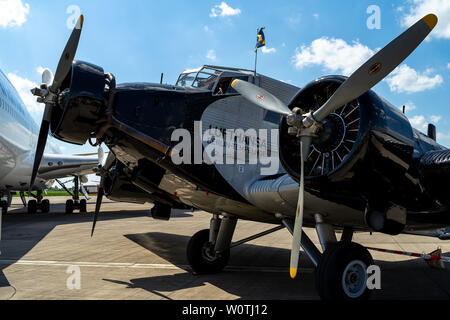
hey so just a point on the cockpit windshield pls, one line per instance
(213, 78)
(205, 79)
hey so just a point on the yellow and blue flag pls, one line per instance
(260, 39)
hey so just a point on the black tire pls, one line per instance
(330, 272)
(83, 205)
(69, 206)
(198, 258)
(45, 206)
(32, 207)
(4, 206)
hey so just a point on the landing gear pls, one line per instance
(4, 206)
(75, 203)
(342, 272)
(69, 206)
(208, 251)
(201, 255)
(38, 204)
(32, 206)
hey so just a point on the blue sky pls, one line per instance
(137, 40)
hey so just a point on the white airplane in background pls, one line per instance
(18, 139)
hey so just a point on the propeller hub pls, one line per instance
(331, 134)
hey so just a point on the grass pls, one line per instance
(53, 194)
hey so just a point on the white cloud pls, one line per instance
(406, 79)
(335, 55)
(13, 13)
(223, 10)
(419, 122)
(211, 55)
(410, 106)
(443, 138)
(316, 15)
(419, 8)
(448, 65)
(268, 50)
(23, 87)
(435, 119)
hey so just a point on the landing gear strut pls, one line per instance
(208, 251)
(341, 270)
(75, 203)
(38, 204)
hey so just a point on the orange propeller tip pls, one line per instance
(431, 20)
(80, 22)
(293, 272)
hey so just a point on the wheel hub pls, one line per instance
(207, 252)
(354, 279)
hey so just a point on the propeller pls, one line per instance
(306, 126)
(48, 94)
(98, 204)
(260, 97)
(103, 168)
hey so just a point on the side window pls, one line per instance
(224, 85)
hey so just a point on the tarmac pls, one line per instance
(132, 256)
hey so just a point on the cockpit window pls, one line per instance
(186, 79)
(215, 79)
(205, 79)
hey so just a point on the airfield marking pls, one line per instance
(142, 266)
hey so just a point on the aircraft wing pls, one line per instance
(55, 166)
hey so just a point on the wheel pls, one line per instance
(32, 206)
(69, 206)
(199, 255)
(4, 206)
(45, 206)
(342, 272)
(83, 205)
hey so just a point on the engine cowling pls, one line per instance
(338, 140)
(363, 155)
(80, 104)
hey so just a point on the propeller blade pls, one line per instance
(97, 208)
(65, 62)
(305, 143)
(64, 67)
(260, 97)
(378, 67)
(42, 140)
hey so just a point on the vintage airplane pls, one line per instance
(349, 159)
(18, 139)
